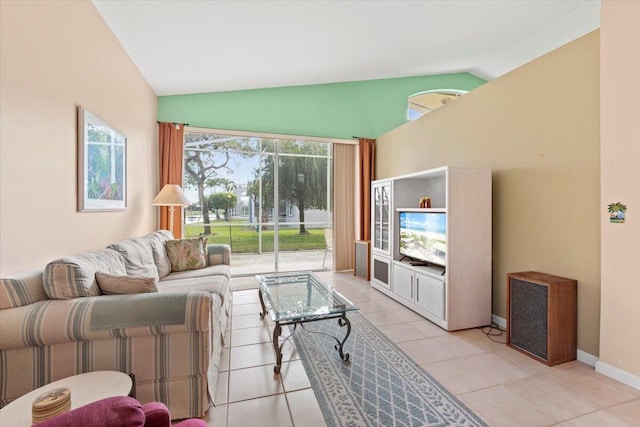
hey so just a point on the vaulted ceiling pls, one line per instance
(208, 46)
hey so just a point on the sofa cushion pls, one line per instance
(213, 270)
(216, 284)
(187, 254)
(212, 284)
(21, 289)
(152, 310)
(138, 257)
(157, 240)
(75, 276)
(111, 284)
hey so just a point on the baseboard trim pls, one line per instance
(587, 358)
(582, 356)
(591, 360)
(618, 374)
(500, 321)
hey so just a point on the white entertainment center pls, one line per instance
(457, 294)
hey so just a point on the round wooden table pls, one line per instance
(85, 388)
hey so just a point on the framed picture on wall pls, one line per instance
(102, 165)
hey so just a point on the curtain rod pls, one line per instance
(175, 123)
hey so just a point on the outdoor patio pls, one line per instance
(246, 264)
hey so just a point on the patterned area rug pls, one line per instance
(242, 283)
(379, 385)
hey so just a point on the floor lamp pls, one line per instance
(171, 195)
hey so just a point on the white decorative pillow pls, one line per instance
(110, 284)
(187, 254)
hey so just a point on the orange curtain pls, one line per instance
(171, 160)
(367, 173)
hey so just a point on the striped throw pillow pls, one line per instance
(75, 277)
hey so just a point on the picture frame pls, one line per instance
(102, 165)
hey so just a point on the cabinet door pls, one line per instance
(430, 293)
(385, 206)
(377, 217)
(380, 216)
(380, 267)
(403, 282)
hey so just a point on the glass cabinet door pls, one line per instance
(377, 218)
(384, 207)
(381, 214)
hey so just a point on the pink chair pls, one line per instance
(119, 411)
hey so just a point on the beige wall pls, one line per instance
(537, 128)
(57, 55)
(620, 163)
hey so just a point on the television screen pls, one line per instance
(423, 236)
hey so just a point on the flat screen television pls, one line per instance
(423, 236)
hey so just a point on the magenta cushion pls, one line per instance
(192, 422)
(119, 411)
(157, 414)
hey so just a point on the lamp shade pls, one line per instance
(171, 195)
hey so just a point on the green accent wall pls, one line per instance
(335, 110)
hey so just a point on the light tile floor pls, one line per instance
(501, 385)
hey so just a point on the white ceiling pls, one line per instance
(208, 46)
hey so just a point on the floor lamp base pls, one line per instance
(172, 210)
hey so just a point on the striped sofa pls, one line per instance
(55, 323)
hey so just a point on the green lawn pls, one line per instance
(243, 237)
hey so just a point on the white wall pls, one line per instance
(620, 182)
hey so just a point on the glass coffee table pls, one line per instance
(298, 298)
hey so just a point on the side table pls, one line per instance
(85, 388)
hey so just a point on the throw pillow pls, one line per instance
(111, 284)
(75, 277)
(138, 257)
(187, 254)
(156, 241)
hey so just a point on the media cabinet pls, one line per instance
(457, 296)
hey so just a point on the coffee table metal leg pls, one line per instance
(342, 321)
(264, 310)
(277, 348)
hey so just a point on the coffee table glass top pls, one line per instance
(300, 296)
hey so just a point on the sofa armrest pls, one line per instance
(218, 254)
(104, 317)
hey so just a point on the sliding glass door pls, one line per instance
(270, 199)
(304, 195)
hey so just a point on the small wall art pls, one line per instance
(102, 165)
(616, 212)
